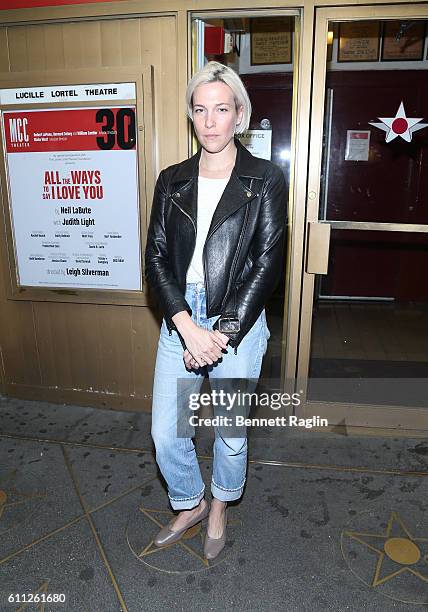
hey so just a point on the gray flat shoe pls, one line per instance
(214, 546)
(167, 536)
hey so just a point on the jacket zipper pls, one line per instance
(194, 227)
(241, 238)
(205, 276)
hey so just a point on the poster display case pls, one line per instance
(74, 187)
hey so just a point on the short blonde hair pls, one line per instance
(214, 71)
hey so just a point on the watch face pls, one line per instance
(229, 325)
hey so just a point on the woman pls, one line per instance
(214, 255)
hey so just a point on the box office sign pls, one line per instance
(73, 191)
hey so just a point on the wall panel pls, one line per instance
(93, 354)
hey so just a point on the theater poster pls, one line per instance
(73, 191)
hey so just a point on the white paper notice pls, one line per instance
(258, 142)
(357, 145)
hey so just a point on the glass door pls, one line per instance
(263, 48)
(363, 356)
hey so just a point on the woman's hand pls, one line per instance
(203, 347)
(189, 362)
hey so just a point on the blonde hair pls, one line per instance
(214, 71)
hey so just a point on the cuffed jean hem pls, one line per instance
(186, 503)
(226, 494)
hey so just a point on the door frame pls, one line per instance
(298, 155)
(353, 414)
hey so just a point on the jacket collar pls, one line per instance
(246, 165)
(236, 193)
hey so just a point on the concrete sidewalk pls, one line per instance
(326, 522)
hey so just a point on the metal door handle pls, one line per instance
(318, 248)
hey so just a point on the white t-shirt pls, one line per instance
(209, 193)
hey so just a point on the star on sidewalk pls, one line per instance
(400, 125)
(396, 549)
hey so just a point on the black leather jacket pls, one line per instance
(244, 250)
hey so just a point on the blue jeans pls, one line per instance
(175, 456)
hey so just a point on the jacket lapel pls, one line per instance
(234, 196)
(185, 197)
(236, 193)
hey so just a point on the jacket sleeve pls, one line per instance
(158, 272)
(267, 250)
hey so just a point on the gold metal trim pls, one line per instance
(404, 549)
(210, 457)
(77, 519)
(94, 532)
(377, 416)
(374, 226)
(220, 13)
